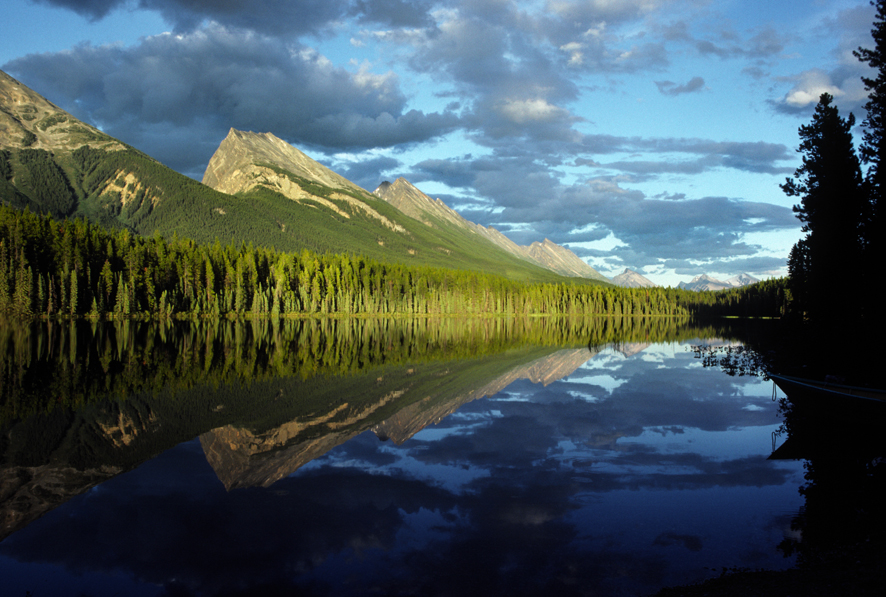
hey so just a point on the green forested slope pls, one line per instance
(127, 189)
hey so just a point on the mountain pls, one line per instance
(233, 166)
(53, 163)
(267, 193)
(742, 280)
(433, 212)
(631, 279)
(330, 213)
(705, 282)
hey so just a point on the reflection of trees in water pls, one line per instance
(48, 364)
(80, 402)
(733, 359)
(843, 523)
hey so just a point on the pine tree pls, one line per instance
(74, 293)
(873, 151)
(832, 209)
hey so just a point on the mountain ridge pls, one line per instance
(706, 282)
(250, 164)
(406, 197)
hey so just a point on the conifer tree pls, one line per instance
(832, 209)
(873, 149)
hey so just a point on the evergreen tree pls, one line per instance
(832, 209)
(873, 148)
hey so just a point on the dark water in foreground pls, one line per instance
(481, 459)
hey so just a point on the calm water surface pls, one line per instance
(526, 468)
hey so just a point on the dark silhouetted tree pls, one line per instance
(873, 151)
(833, 209)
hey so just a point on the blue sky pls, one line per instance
(642, 134)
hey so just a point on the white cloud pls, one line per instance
(809, 87)
(533, 110)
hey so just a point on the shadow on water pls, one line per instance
(839, 534)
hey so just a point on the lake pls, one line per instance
(364, 457)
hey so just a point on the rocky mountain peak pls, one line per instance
(241, 154)
(246, 160)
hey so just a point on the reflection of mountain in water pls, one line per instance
(82, 402)
(629, 349)
(415, 417)
(242, 458)
(27, 493)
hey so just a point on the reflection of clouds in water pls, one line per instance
(606, 360)
(755, 441)
(659, 353)
(362, 453)
(625, 466)
(507, 396)
(453, 476)
(582, 396)
(607, 382)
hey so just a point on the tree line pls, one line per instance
(73, 268)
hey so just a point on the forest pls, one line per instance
(73, 268)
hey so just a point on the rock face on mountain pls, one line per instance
(561, 260)
(247, 160)
(631, 279)
(27, 120)
(706, 282)
(407, 198)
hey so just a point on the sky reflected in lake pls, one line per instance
(629, 469)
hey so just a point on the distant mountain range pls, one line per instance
(257, 188)
(706, 282)
(631, 279)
